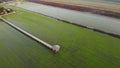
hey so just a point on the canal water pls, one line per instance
(103, 23)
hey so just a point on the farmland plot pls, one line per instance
(80, 48)
(19, 51)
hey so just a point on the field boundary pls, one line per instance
(93, 29)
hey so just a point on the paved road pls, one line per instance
(103, 23)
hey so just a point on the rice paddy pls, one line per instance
(17, 50)
(80, 48)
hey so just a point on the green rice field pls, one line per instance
(80, 48)
(17, 50)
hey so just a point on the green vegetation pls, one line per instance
(80, 48)
(5, 11)
(2, 10)
(17, 50)
(0, 1)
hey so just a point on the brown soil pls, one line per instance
(87, 4)
(84, 8)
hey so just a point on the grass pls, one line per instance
(80, 48)
(17, 50)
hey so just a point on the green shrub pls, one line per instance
(4, 10)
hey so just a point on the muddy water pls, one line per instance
(103, 23)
